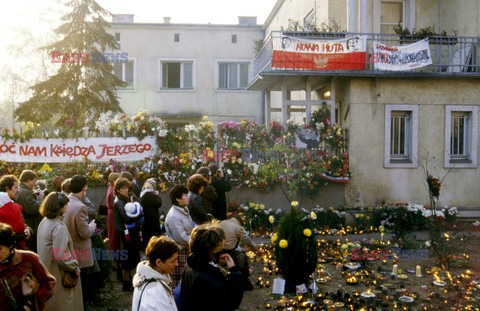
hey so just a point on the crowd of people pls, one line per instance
(46, 255)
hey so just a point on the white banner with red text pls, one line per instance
(404, 57)
(67, 150)
(318, 54)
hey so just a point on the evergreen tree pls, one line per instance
(295, 248)
(82, 87)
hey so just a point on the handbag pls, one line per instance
(69, 279)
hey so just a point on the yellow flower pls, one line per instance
(313, 215)
(274, 238)
(294, 204)
(129, 126)
(381, 228)
(344, 246)
(307, 232)
(262, 207)
(45, 168)
(251, 204)
(271, 219)
(205, 118)
(283, 244)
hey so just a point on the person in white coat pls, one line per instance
(152, 284)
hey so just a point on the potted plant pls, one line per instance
(406, 36)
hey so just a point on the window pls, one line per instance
(401, 136)
(176, 37)
(390, 13)
(126, 72)
(232, 76)
(234, 38)
(176, 74)
(461, 136)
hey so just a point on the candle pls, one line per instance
(395, 270)
(418, 271)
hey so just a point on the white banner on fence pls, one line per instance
(400, 58)
(67, 150)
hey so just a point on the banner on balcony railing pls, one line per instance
(306, 54)
(398, 58)
(67, 150)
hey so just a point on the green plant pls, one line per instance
(295, 248)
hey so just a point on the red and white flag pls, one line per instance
(316, 54)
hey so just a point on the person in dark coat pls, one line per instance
(30, 204)
(151, 203)
(206, 286)
(209, 194)
(136, 187)
(196, 184)
(128, 226)
(222, 186)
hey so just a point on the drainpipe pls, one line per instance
(352, 15)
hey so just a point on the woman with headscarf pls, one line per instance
(151, 203)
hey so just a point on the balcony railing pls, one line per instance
(451, 55)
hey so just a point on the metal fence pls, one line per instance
(451, 55)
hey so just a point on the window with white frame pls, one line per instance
(176, 74)
(390, 13)
(401, 136)
(232, 75)
(126, 72)
(461, 136)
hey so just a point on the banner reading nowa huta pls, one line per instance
(315, 54)
(404, 57)
(68, 150)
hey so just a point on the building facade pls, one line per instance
(400, 123)
(182, 72)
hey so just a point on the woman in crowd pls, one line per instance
(55, 248)
(179, 226)
(112, 236)
(15, 265)
(11, 212)
(152, 283)
(196, 184)
(151, 203)
(129, 237)
(205, 286)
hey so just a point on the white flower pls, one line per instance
(229, 172)
(143, 132)
(162, 133)
(142, 118)
(427, 243)
(476, 223)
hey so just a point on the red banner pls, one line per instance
(315, 54)
(307, 61)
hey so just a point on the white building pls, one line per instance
(182, 72)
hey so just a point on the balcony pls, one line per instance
(452, 56)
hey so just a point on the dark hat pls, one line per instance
(204, 171)
(213, 168)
